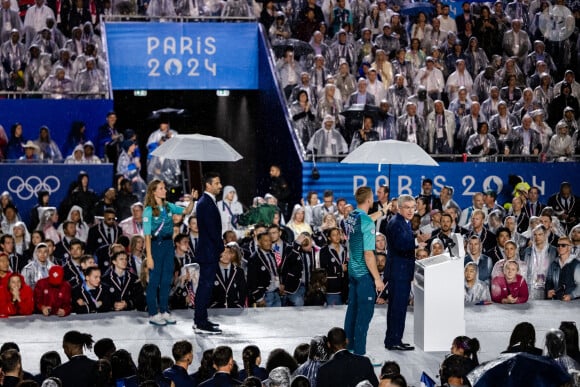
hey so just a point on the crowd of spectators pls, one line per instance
(494, 80)
(53, 50)
(91, 243)
(322, 362)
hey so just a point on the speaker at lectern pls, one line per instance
(438, 307)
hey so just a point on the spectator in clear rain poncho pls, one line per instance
(476, 291)
(161, 8)
(317, 356)
(90, 80)
(49, 150)
(230, 209)
(556, 349)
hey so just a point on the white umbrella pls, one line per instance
(197, 147)
(390, 152)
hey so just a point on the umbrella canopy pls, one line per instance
(166, 113)
(197, 147)
(300, 47)
(413, 9)
(518, 369)
(391, 152)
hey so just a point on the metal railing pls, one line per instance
(459, 158)
(23, 94)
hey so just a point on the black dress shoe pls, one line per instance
(406, 345)
(400, 347)
(213, 324)
(208, 329)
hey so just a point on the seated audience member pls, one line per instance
(91, 296)
(454, 370)
(316, 292)
(279, 377)
(563, 275)
(19, 300)
(279, 357)
(52, 295)
(571, 333)
(511, 288)
(205, 370)
(122, 367)
(483, 262)
(523, 339)
(48, 362)
(11, 368)
(511, 254)
(230, 289)
(182, 352)
(476, 291)
(77, 370)
(467, 348)
(124, 287)
(223, 362)
(38, 268)
(556, 349)
(318, 354)
(252, 358)
(104, 348)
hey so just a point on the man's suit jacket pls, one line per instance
(370, 100)
(401, 250)
(220, 379)
(229, 292)
(76, 372)
(346, 369)
(210, 243)
(421, 133)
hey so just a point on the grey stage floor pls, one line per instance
(280, 328)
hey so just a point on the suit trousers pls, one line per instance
(398, 297)
(160, 277)
(207, 272)
(359, 313)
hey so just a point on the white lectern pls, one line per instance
(438, 308)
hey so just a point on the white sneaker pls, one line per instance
(169, 320)
(374, 362)
(157, 320)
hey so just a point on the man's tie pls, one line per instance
(226, 275)
(110, 235)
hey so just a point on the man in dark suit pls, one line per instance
(208, 250)
(344, 369)
(399, 272)
(78, 370)
(533, 205)
(103, 235)
(223, 362)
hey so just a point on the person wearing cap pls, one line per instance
(561, 145)
(52, 295)
(38, 268)
(31, 153)
(431, 78)
(516, 42)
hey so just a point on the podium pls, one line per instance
(438, 308)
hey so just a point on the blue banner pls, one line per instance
(466, 178)
(23, 181)
(183, 56)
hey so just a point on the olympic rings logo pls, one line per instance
(26, 189)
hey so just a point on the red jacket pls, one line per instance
(9, 308)
(56, 297)
(500, 289)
